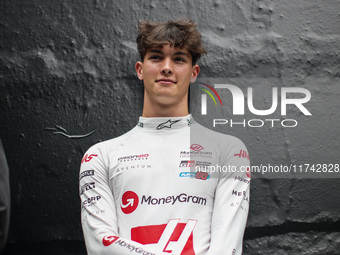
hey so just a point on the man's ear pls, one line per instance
(139, 70)
(195, 72)
(192, 80)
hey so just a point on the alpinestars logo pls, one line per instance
(166, 124)
(174, 237)
(129, 202)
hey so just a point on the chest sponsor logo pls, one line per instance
(196, 151)
(86, 173)
(187, 163)
(197, 175)
(181, 198)
(133, 158)
(196, 147)
(174, 237)
(193, 163)
(195, 154)
(132, 167)
(88, 158)
(130, 200)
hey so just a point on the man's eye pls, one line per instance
(179, 59)
(155, 57)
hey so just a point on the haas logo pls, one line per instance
(196, 147)
(242, 154)
(174, 237)
(87, 158)
(129, 202)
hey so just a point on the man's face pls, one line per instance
(166, 72)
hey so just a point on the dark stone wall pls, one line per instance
(68, 81)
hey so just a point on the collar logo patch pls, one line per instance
(166, 124)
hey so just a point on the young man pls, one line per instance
(136, 192)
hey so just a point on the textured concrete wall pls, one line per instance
(68, 81)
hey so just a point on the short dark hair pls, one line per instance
(178, 33)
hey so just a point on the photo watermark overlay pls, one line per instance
(277, 122)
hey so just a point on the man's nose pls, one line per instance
(167, 67)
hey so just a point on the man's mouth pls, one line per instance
(166, 81)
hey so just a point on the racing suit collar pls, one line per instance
(165, 123)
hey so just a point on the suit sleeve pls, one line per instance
(98, 211)
(231, 204)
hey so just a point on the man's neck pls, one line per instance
(158, 110)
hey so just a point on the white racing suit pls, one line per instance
(168, 186)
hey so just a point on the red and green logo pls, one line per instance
(204, 96)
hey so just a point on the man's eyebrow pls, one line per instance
(176, 53)
(156, 51)
(181, 53)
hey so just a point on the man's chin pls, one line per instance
(168, 100)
